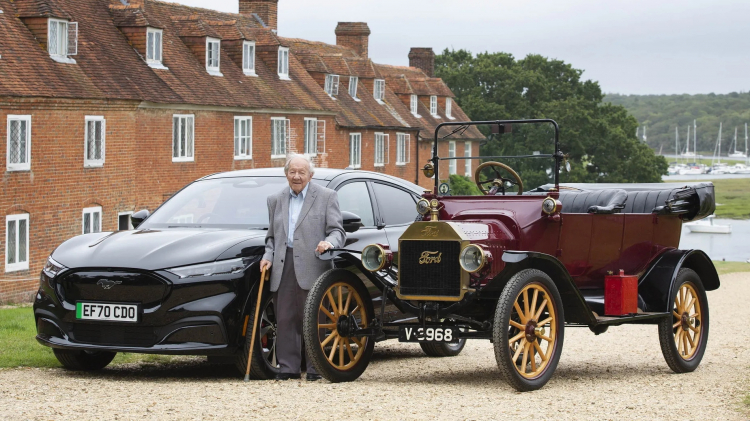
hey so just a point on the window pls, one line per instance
(353, 81)
(153, 45)
(379, 90)
(355, 150)
(92, 219)
(414, 104)
(433, 105)
(213, 47)
(402, 148)
(452, 154)
(311, 136)
(355, 198)
(248, 58)
(279, 136)
(332, 85)
(62, 40)
(467, 162)
(94, 143)
(124, 222)
(19, 143)
(182, 137)
(243, 138)
(448, 104)
(16, 242)
(283, 63)
(381, 149)
(400, 209)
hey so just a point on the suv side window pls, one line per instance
(355, 198)
(396, 206)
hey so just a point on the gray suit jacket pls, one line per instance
(319, 220)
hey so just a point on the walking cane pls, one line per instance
(255, 323)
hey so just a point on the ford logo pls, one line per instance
(108, 283)
(428, 257)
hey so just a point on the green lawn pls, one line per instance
(731, 267)
(732, 197)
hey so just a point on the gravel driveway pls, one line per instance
(618, 375)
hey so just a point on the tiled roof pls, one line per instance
(192, 26)
(40, 8)
(124, 16)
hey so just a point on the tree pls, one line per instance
(598, 138)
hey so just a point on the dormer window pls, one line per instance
(213, 47)
(283, 63)
(153, 47)
(248, 58)
(413, 105)
(353, 81)
(433, 106)
(379, 90)
(62, 40)
(332, 85)
(448, 104)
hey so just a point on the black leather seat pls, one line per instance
(645, 201)
(593, 201)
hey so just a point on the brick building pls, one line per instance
(111, 106)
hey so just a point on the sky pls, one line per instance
(629, 47)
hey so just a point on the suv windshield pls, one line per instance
(219, 203)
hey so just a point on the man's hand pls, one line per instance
(323, 246)
(265, 264)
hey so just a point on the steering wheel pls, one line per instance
(499, 184)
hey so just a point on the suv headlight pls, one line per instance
(52, 268)
(221, 267)
(376, 257)
(473, 258)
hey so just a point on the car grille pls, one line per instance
(435, 279)
(113, 286)
(113, 335)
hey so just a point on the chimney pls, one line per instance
(423, 59)
(354, 35)
(267, 11)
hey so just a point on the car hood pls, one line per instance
(153, 249)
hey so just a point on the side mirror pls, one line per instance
(138, 217)
(352, 222)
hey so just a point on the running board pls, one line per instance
(632, 318)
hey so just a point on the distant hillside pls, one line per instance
(661, 113)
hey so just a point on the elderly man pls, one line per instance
(304, 221)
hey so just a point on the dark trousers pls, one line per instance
(289, 302)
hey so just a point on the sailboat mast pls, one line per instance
(695, 139)
(745, 139)
(719, 145)
(735, 139)
(688, 139)
(676, 144)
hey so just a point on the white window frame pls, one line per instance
(281, 149)
(213, 70)
(130, 221)
(12, 267)
(449, 108)
(92, 163)
(310, 146)
(378, 90)
(63, 47)
(434, 106)
(355, 150)
(403, 148)
(182, 155)
(451, 154)
(91, 211)
(155, 54)
(282, 67)
(382, 143)
(248, 58)
(332, 85)
(353, 82)
(24, 166)
(414, 104)
(239, 153)
(467, 162)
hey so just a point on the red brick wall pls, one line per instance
(38, 27)
(136, 37)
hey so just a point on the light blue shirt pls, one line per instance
(295, 206)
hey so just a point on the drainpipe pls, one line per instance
(416, 160)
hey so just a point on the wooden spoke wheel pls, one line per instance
(264, 365)
(683, 336)
(528, 330)
(500, 184)
(338, 306)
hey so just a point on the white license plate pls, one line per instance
(107, 311)
(428, 334)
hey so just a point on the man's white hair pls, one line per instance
(292, 156)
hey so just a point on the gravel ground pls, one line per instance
(620, 374)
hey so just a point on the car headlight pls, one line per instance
(423, 206)
(221, 267)
(52, 268)
(376, 257)
(473, 258)
(550, 206)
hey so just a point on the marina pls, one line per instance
(734, 247)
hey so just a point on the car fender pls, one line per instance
(575, 308)
(655, 285)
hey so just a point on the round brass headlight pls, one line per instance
(423, 206)
(549, 205)
(375, 257)
(472, 258)
(428, 170)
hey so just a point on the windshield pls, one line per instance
(219, 203)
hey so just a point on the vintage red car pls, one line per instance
(518, 267)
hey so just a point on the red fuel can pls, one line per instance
(620, 294)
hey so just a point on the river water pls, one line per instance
(733, 247)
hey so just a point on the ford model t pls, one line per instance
(519, 266)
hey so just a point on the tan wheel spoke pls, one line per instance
(330, 337)
(544, 322)
(532, 358)
(334, 348)
(348, 301)
(533, 301)
(539, 351)
(327, 326)
(517, 325)
(341, 352)
(525, 357)
(697, 316)
(546, 338)
(526, 311)
(694, 329)
(512, 340)
(341, 301)
(328, 313)
(674, 313)
(676, 325)
(518, 351)
(690, 304)
(356, 341)
(690, 340)
(334, 307)
(684, 343)
(678, 338)
(349, 350)
(521, 314)
(541, 309)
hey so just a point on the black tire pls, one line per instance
(443, 349)
(83, 359)
(264, 365)
(512, 360)
(317, 339)
(683, 358)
